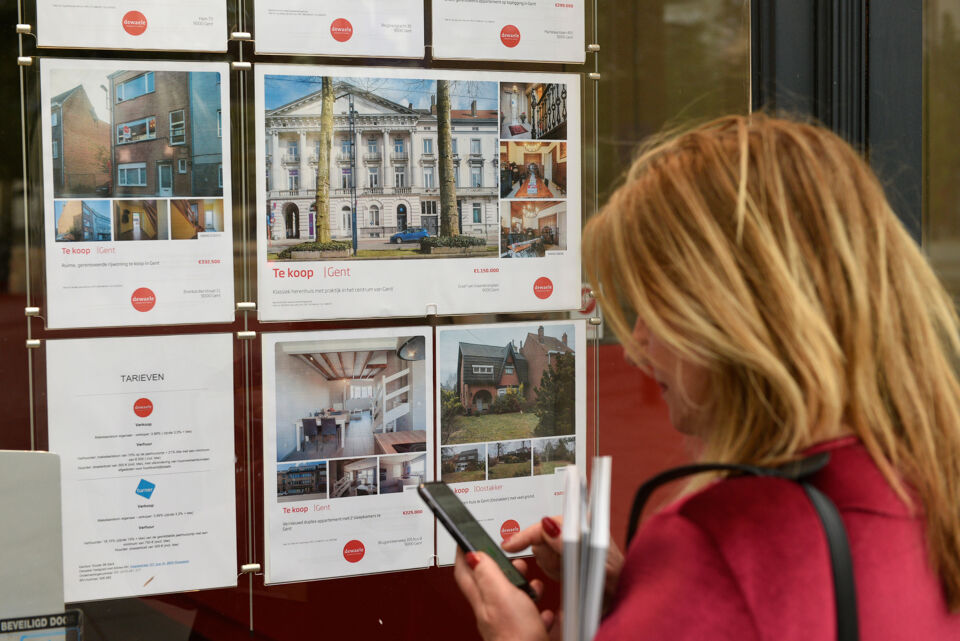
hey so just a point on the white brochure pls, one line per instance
(512, 406)
(144, 430)
(384, 28)
(351, 218)
(169, 25)
(525, 31)
(347, 438)
(136, 193)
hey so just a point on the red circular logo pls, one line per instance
(143, 407)
(143, 299)
(510, 36)
(509, 528)
(134, 23)
(543, 287)
(341, 30)
(353, 551)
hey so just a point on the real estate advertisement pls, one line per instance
(522, 31)
(366, 180)
(385, 28)
(348, 437)
(146, 445)
(511, 402)
(137, 215)
(170, 25)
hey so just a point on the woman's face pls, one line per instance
(683, 384)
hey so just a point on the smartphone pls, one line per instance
(467, 532)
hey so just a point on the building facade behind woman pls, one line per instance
(783, 310)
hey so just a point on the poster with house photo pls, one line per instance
(511, 403)
(348, 437)
(136, 190)
(400, 192)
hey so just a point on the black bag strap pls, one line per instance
(841, 561)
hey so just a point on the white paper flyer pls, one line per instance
(391, 209)
(511, 401)
(168, 25)
(146, 444)
(348, 436)
(137, 213)
(522, 31)
(383, 28)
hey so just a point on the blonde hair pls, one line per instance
(765, 250)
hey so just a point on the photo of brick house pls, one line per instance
(516, 381)
(80, 145)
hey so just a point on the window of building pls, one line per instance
(56, 149)
(428, 145)
(374, 216)
(501, 391)
(345, 179)
(483, 369)
(429, 207)
(135, 87)
(178, 128)
(475, 146)
(400, 176)
(219, 125)
(374, 177)
(182, 166)
(477, 213)
(347, 218)
(372, 145)
(398, 145)
(137, 130)
(293, 179)
(453, 146)
(293, 149)
(268, 177)
(428, 177)
(476, 177)
(132, 174)
(361, 390)
(55, 119)
(316, 149)
(220, 176)
(345, 146)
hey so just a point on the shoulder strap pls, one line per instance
(799, 471)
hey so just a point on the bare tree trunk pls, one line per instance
(323, 162)
(449, 225)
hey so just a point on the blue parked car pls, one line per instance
(410, 235)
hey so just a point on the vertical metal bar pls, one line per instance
(26, 232)
(596, 207)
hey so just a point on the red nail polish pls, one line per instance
(550, 527)
(472, 559)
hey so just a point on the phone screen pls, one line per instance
(468, 533)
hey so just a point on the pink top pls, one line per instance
(746, 559)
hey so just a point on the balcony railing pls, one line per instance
(428, 158)
(372, 191)
(343, 156)
(289, 158)
(293, 193)
(372, 156)
(402, 190)
(399, 156)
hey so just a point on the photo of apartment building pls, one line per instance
(385, 152)
(301, 481)
(82, 220)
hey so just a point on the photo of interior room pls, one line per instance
(532, 228)
(301, 481)
(349, 398)
(534, 111)
(402, 472)
(353, 477)
(141, 220)
(533, 169)
(189, 218)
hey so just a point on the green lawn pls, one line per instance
(460, 477)
(509, 470)
(549, 466)
(491, 427)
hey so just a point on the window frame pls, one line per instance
(122, 170)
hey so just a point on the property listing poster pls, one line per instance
(363, 217)
(169, 25)
(385, 28)
(137, 214)
(517, 30)
(511, 402)
(348, 436)
(145, 438)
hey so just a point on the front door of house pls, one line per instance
(165, 179)
(430, 223)
(401, 217)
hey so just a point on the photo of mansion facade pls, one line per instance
(397, 176)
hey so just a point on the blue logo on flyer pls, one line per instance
(146, 488)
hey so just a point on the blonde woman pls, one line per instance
(784, 311)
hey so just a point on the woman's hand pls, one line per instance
(503, 611)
